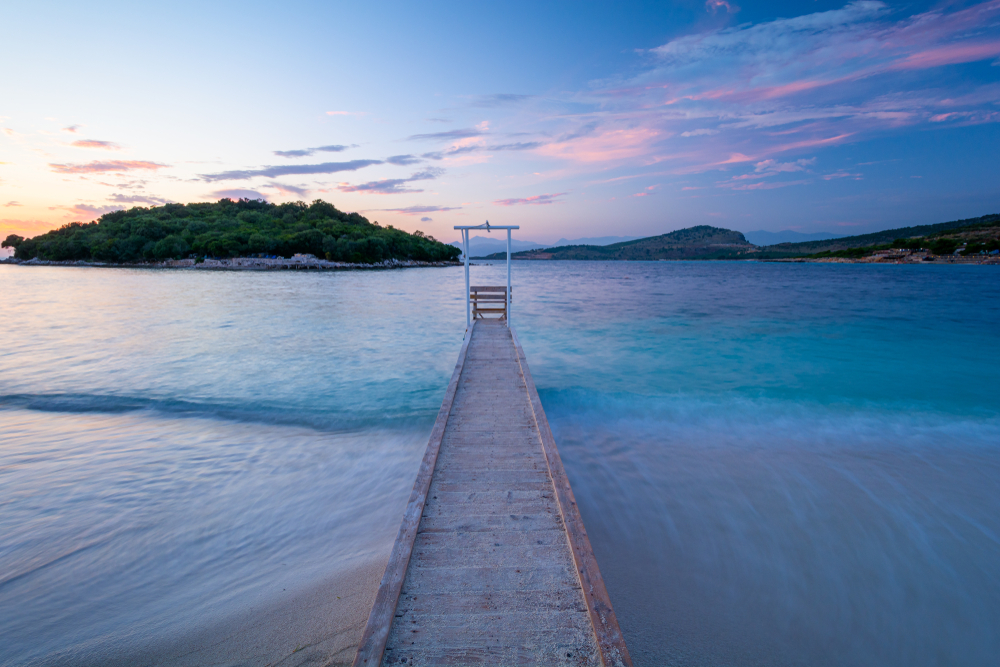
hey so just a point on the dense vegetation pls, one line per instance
(230, 228)
(701, 242)
(865, 244)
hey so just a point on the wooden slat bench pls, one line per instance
(489, 295)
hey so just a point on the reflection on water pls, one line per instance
(777, 464)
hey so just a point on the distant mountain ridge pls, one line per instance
(485, 245)
(701, 242)
(763, 238)
(875, 238)
(705, 242)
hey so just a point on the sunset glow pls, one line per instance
(463, 124)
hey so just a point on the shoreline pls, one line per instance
(319, 625)
(240, 264)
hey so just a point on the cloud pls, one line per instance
(482, 148)
(719, 5)
(417, 210)
(89, 212)
(237, 193)
(138, 199)
(288, 189)
(13, 203)
(110, 166)
(94, 143)
(841, 174)
(609, 145)
(535, 200)
(305, 152)
(286, 170)
(499, 99)
(391, 186)
(766, 185)
(770, 167)
(439, 120)
(426, 219)
(403, 160)
(450, 135)
(72, 129)
(702, 132)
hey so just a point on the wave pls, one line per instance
(278, 415)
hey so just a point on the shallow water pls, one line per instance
(777, 464)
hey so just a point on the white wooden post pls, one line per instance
(508, 278)
(468, 301)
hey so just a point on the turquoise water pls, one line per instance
(777, 464)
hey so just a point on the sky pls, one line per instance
(569, 119)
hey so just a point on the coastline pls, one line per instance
(935, 259)
(240, 264)
(318, 625)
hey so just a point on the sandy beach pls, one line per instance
(318, 626)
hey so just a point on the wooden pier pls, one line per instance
(492, 564)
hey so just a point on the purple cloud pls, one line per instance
(292, 169)
(112, 166)
(237, 193)
(403, 160)
(305, 152)
(391, 186)
(450, 135)
(417, 210)
(138, 199)
(535, 200)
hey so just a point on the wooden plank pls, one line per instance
(376, 632)
(490, 574)
(602, 615)
(488, 288)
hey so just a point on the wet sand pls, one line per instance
(320, 626)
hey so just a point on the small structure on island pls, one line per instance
(492, 564)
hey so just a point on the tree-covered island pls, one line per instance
(230, 228)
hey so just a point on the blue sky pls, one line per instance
(569, 119)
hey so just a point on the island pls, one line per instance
(972, 240)
(218, 234)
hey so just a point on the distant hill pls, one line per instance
(702, 242)
(483, 245)
(771, 238)
(594, 240)
(865, 240)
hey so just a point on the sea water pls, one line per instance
(778, 464)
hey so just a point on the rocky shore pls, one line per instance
(896, 257)
(296, 262)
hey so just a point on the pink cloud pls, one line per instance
(951, 54)
(101, 167)
(94, 143)
(717, 5)
(612, 145)
(536, 200)
(763, 185)
(841, 174)
(87, 211)
(811, 143)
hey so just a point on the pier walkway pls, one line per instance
(492, 564)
